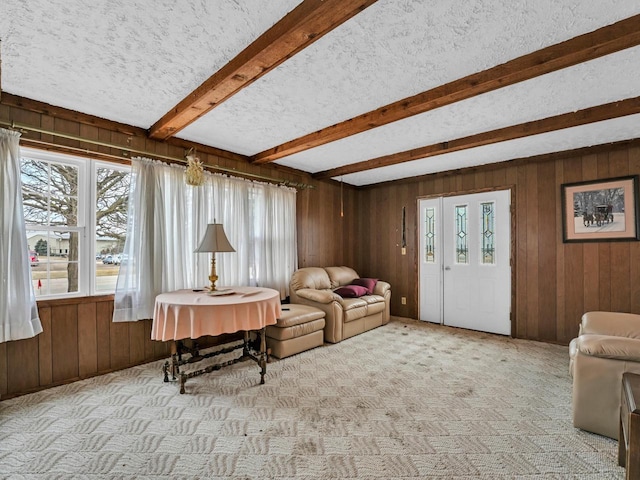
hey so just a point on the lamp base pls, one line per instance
(213, 277)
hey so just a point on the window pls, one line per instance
(430, 235)
(488, 230)
(75, 213)
(462, 249)
(111, 199)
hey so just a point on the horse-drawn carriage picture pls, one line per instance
(603, 214)
(601, 210)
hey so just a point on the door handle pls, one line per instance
(447, 268)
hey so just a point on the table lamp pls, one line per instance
(214, 240)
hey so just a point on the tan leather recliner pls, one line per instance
(608, 345)
(345, 317)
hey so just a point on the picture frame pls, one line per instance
(601, 210)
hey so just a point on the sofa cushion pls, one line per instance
(611, 323)
(368, 283)
(310, 277)
(318, 296)
(295, 331)
(294, 314)
(351, 303)
(355, 312)
(606, 346)
(375, 307)
(373, 299)
(351, 291)
(341, 275)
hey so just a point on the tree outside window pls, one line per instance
(57, 201)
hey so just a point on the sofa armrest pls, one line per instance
(606, 346)
(611, 323)
(381, 287)
(384, 290)
(329, 303)
(318, 296)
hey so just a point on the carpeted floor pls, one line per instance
(408, 400)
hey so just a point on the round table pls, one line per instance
(188, 314)
(192, 314)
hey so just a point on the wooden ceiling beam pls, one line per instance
(305, 24)
(599, 113)
(604, 41)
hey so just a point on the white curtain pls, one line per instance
(168, 218)
(275, 244)
(18, 311)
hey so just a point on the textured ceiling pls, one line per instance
(132, 61)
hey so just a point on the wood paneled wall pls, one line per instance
(327, 225)
(79, 340)
(555, 282)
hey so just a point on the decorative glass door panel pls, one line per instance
(462, 230)
(487, 233)
(465, 272)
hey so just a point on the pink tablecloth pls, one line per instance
(187, 314)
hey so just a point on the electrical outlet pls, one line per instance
(403, 300)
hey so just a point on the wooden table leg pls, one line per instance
(165, 370)
(263, 354)
(183, 380)
(245, 348)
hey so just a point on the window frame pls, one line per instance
(86, 217)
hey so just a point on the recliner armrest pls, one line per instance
(319, 296)
(607, 346)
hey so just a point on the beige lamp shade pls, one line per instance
(215, 240)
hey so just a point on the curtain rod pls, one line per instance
(17, 126)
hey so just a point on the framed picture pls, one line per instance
(602, 210)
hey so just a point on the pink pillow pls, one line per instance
(351, 291)
(368, 283)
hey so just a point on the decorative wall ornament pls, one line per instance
(195, 170)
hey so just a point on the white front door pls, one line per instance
(465, 272)
(431, 258)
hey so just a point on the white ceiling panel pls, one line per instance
(392, 50)
(604, 80)
(128, 61)
(133, 61)
(568, 139)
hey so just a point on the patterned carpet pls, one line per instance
(408, 400)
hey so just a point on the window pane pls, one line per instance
(36, 211)
(67, 225)
(64, 195)
(112, 197)
(35, 191)
(430, 240)
(488, 233)
(34, 175)
(64, 180)
(49, 193)
(462, 250)
(54, 270)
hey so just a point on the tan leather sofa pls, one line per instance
(344, 317)
(608, 345)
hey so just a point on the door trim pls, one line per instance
(512, 250)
